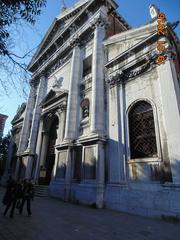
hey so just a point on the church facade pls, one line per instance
(101, 125)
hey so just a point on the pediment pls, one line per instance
(52, 96)
(136, 35)
(128, 42)
(58, 25)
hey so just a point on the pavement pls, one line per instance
(55, 220)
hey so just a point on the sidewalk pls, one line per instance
(55, 220)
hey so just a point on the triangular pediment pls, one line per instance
(126, 42)
(52, 96)
(136, 34)
(58, 25)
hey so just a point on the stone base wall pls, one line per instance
(79, 193)
(86, 194)
(151, 200)
(57, 190)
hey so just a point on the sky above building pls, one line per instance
(136, 13)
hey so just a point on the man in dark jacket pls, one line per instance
(13, 192)
(27, 195)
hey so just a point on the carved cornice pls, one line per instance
(75, 41)
(58, 63)
(123, 75)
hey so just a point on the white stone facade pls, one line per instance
(95, 87)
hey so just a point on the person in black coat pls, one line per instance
(9, 195)
(17, 194)
(27, 196)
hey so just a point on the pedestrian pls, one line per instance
(19, 194)
(27, 196)
(9, 195)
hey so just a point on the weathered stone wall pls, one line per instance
(151, 200)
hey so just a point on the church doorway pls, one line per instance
(50, 159)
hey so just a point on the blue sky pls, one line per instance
(136, 13)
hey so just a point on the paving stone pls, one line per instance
(54, 220)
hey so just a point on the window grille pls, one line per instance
(142, 131)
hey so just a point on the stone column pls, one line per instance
(63, 121)
(170, 97)
(38, 150)
(25, 128)
(73, 96)
(117, 131)
(42, 88)
(114, 109)
(27, 120)
(97, 112)
(45, 139)
(100, 175)
(122, 132)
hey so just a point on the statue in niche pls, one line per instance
(85, 111)
(85, 108)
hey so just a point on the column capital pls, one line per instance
(98, 22)
(115, 79)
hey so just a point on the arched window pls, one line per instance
(142, 131)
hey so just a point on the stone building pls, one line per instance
(101, 125)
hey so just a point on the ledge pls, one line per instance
(144, 160)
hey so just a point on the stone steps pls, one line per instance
(41, 191)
